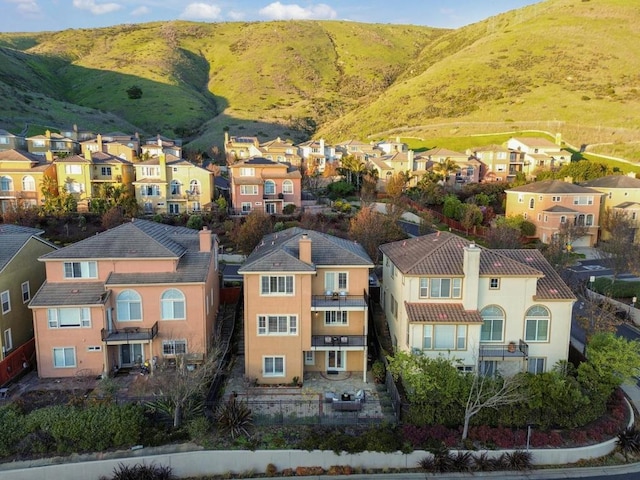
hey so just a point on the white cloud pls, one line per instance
(96, 8)
(279, 11)
(235, 15)
(141, 11)
(201, 11)
(27, 7)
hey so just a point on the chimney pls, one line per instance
(48, 155)
(205, 239)
(162, 163)
(47, 134)
(87, 154)
(305, 248)
(99, 142)
(471, 269)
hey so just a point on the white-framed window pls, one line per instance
(174, 208)
(287, 187)
(563, 219)
(5, 299)
(493, 324)
(579, 220)
(80, 269)
(150, 190)
(273, 366)
(520, 198)
(105, 171)
(445, 288)
(38, 142)
(28, 184)
(248, 190)
(64, 357)
(556, 199)
(582, 200)
(195, 206)
(277, 325)
(172, 305)
(69, 317)
(8, 340)
(270, 208)
(194, 187)
(73, 169)
(74, 187)
(392, 270)
(26, 291)
(537, 324)
(150, 171)
(536, 365)
(309, 358)
(129, 306)
(394, 306)
(246, 207)
(247, 172)
(546, 219)
(331, 317)
(276, 285)
(488, 368)
(4, 141)
(424, 287)
(589, 220)
(94, 348)
(174, 347)
(269, 187)
(336, 281)
(176, 187)
(494, 283)
(444, 337)
(532, 203)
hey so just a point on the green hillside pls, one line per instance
(560, 65)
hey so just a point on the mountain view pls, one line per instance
(560, 65)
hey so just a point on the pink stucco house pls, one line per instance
(142, 291)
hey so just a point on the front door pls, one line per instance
(131, 354)
(336, 360)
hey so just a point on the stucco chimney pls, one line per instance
(471, 269)
(48, 155)
(99, 142)
(87, 154)
(305, 248)
(205, 239)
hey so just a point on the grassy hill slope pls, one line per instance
(559, 65)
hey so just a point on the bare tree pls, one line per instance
(490, 392)
(619, 253)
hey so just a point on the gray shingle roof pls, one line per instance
(136, 239)
(280, 252)
(554, 186)
(193, 268)
(442, 253)
(560, 209)
(12, 239)
(63, 294)
(614, 181)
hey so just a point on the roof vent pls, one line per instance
(75, 290)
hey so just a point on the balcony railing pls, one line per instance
(504, 351)
(338, 341)
(128, 334)
(273, 196)
(338, 300)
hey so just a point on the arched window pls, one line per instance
(493, 324)
(269, 187)
(589, 221)
(172, 305)
(532, 202)
(579, 220)
(537, 324)
(194, 187)
(129, 306)
(6, 184)
(175, 187)
(28, 184)
(287, 187)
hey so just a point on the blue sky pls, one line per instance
(47, 15)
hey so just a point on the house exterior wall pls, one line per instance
(23, 268)
(17, 171)
(616, 196)
(184, 175)
(259, 200)
(548, 223)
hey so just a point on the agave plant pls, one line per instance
(234, 417)
(518, 460)
(629, 442)
(442, 459)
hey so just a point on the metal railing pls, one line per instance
(128, 334)
(338, 340)
(505, 351)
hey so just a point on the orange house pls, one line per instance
(551, 203)
(305, 306)
(262, 184)
(139, 292)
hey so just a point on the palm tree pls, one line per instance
(446, 168)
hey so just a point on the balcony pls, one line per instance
(8, 193)
(338, 341)
(273, 196)
(338, 301)
(120, 336)
(511, 350)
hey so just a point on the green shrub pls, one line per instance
(198, 428)
(195, 222)
(142, 472)
(378, 371)
(289, 209)
(14, 429)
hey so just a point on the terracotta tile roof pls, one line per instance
(442, 253)
(441, 313)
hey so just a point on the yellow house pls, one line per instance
(122, 146)
(621, 193)
(305, 306)
(21, 177)
(166, 184)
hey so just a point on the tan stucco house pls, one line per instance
(142, 291)
(501, 311)
(306, 298)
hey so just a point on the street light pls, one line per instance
(633, 305)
